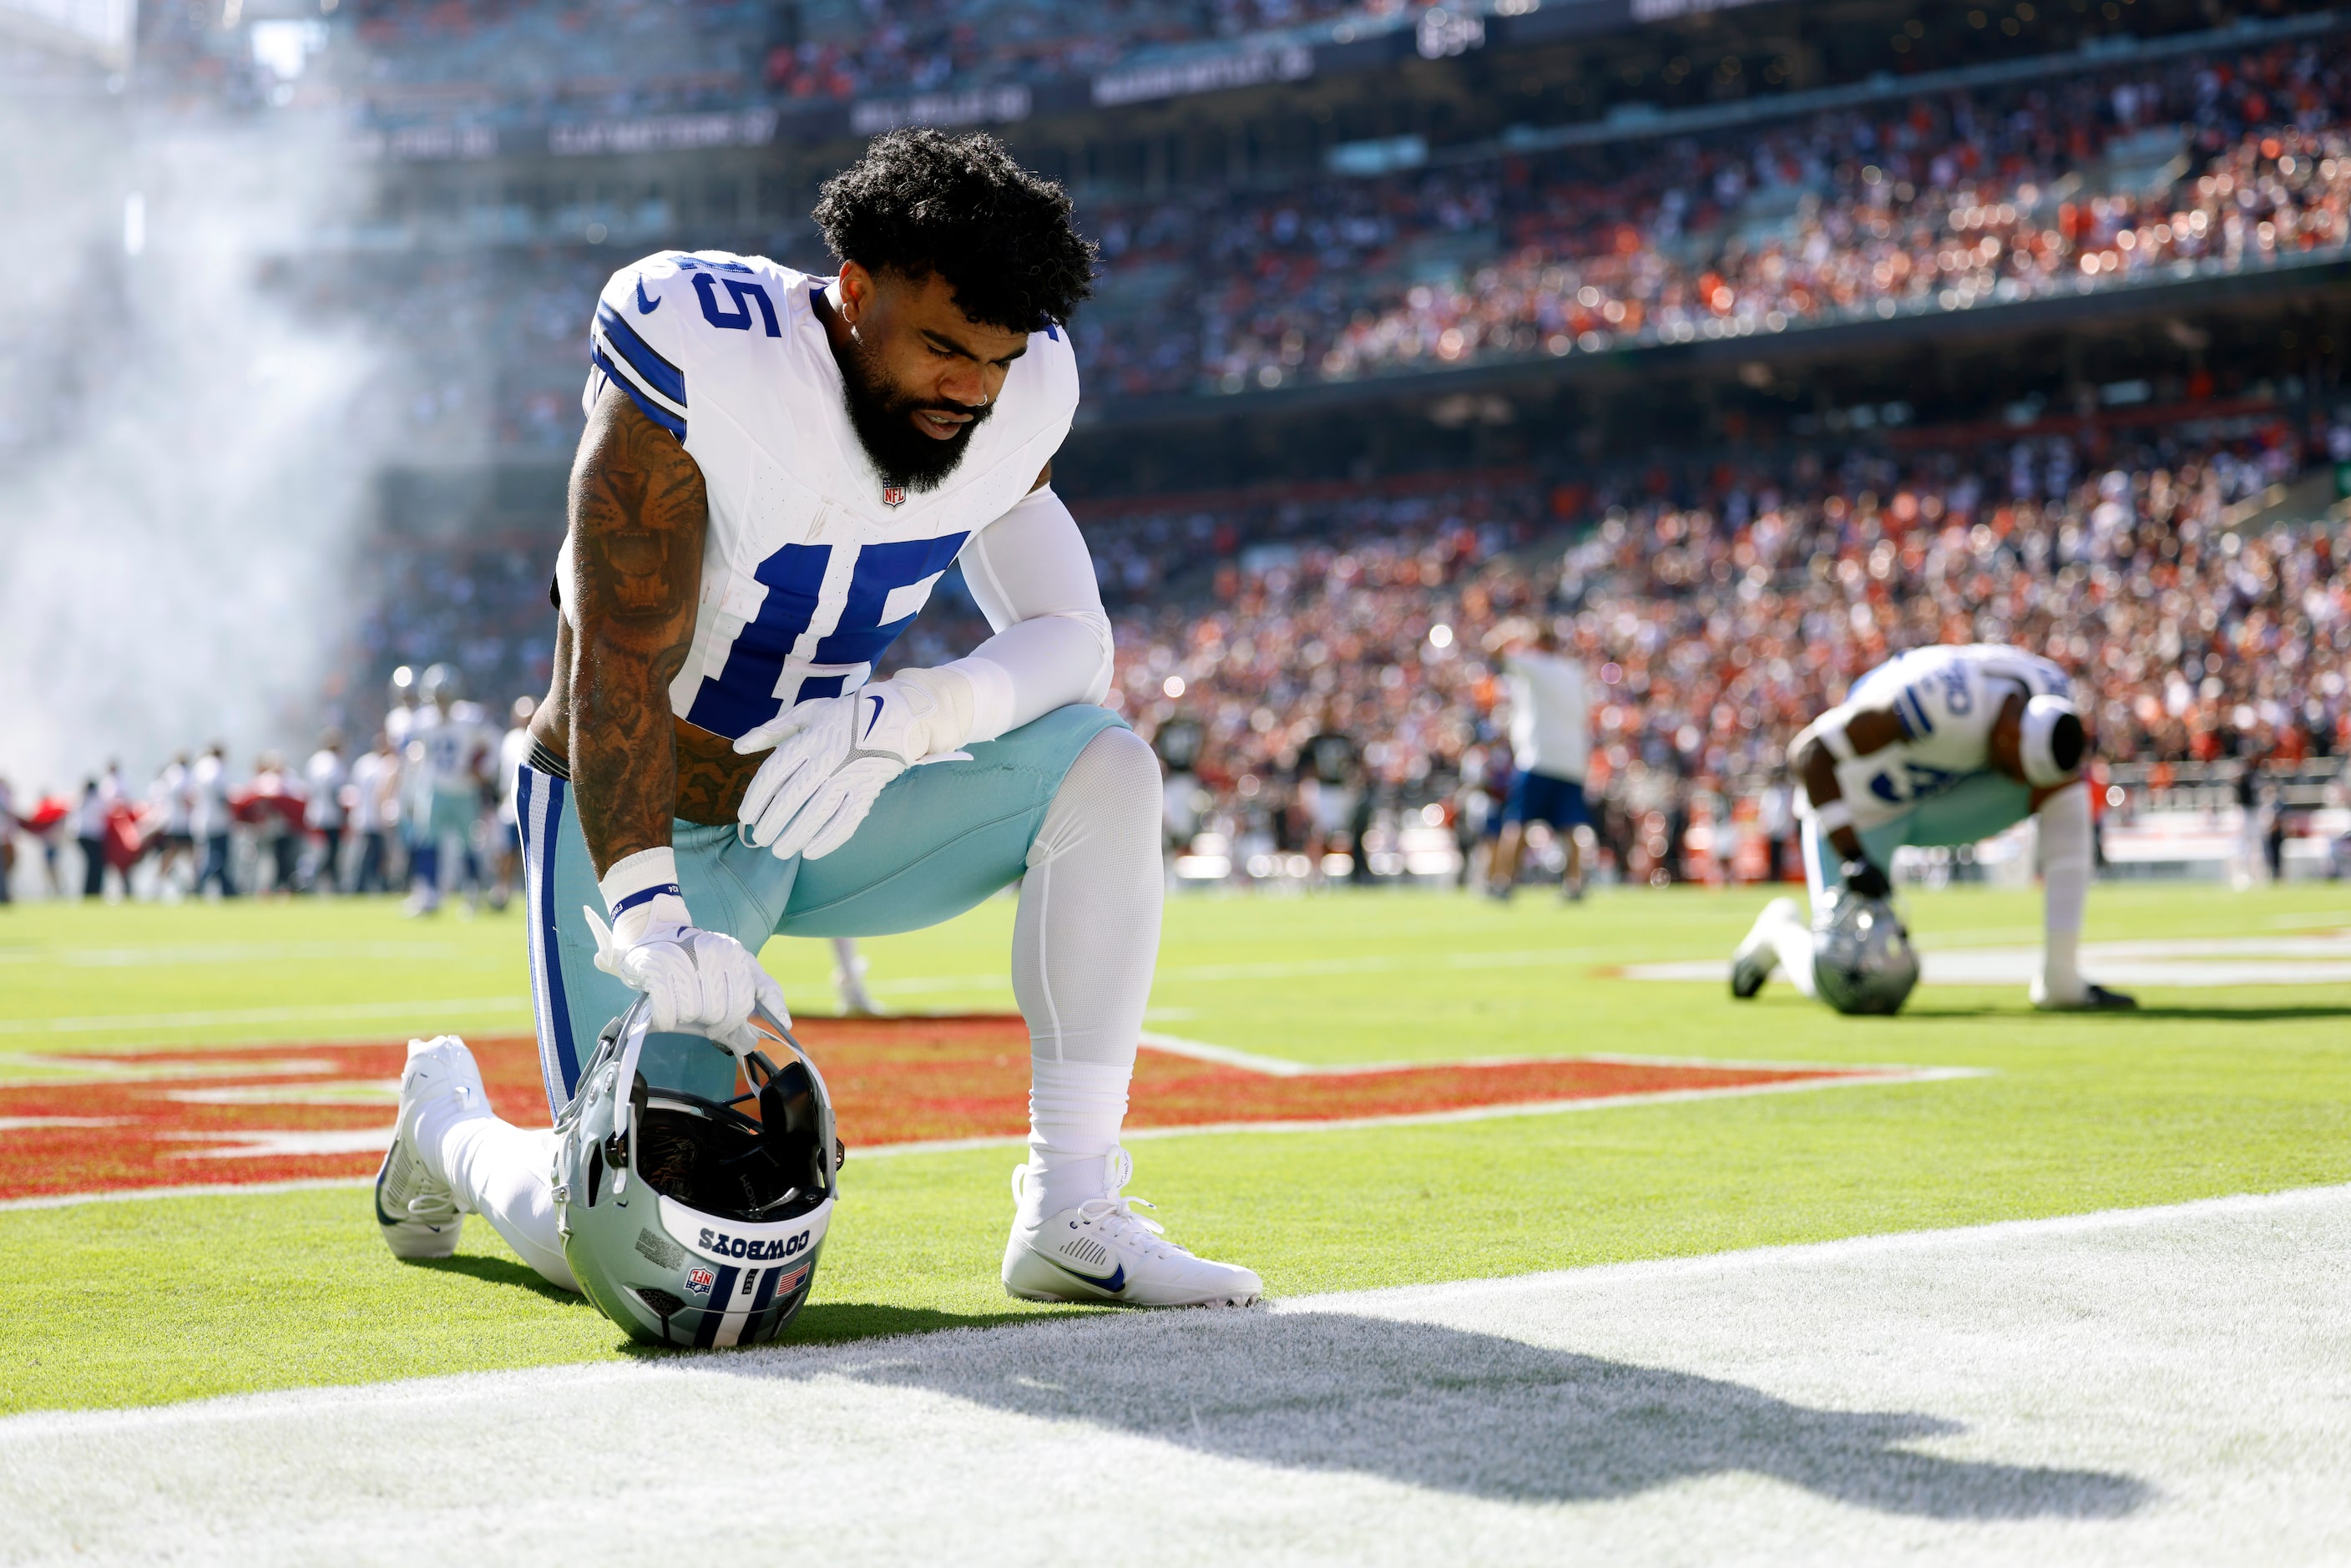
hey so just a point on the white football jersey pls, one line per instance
(1947, 698)
(813, 564)
(446, 749)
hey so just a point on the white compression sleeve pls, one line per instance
(1031, 575)
(506, 1174)
(1793, 944)
(1083, 946)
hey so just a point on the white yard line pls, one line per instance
(259, 1143)
(151, 1194)
(1292, 969)
(320, 1012)
(2162, 1386)
(2279, 960)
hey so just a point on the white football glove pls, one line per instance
(703, 982)
(834, 755)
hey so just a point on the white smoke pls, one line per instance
(185, 443)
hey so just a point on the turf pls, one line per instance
(2208, 1092)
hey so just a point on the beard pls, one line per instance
(883, 417)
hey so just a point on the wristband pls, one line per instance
(637, 879)
(1837, 814)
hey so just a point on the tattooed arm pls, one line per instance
(638, 516)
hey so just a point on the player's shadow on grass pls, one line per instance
(498, 1271)
(1453, 1411)
(2260, 1012)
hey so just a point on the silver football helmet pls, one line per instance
(1861, 957)
(693, 1186)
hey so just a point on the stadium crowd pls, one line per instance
(1986, 196)
(1721, 612)
(1717, 610)
(1965, 201)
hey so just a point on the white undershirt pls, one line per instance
(1031, 575)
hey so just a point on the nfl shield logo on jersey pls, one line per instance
(892, 494)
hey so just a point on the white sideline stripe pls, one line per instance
(322, 1012)
(1877, 1244)
(2146, 1385)
(1391, 1302)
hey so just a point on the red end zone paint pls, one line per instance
(264, 1114)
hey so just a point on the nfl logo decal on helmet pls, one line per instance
(891, 494)
(692, 1187)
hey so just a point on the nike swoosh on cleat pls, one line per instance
(877, 718)
(1114, 1284)
(646, 306)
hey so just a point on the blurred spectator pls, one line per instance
(210, 819)
(90, 833)
(324, 777)
(168, 802)
(514, 750)
(375, 816)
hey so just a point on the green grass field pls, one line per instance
(2210, 1091)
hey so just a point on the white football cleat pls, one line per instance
(1756, 956)
(416, 1210)
(1102, 1250)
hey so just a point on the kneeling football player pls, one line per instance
(776, 471)
(1944, 746)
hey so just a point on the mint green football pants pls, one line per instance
(1976, 808)
(940, 838)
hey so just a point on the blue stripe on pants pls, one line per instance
(539, 803)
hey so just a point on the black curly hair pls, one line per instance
(921, 203)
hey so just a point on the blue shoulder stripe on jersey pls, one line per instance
(645, 405)
(1922, 726)
(656, 372)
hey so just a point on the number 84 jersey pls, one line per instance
(813, 564)
(1946, 699)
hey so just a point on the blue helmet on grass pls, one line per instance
(694, 1186)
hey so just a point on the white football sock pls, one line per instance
(1074, 1111)
(506, 1174)
(2064, 832)
(1084, 946)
